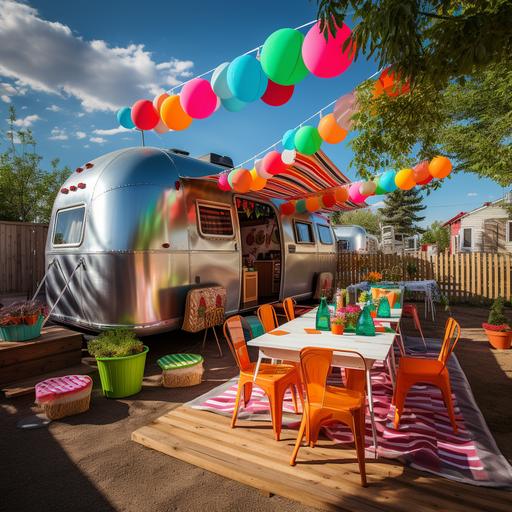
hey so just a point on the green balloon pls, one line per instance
(281, 57)
(379, 191)
(300, 206)
(307, 140)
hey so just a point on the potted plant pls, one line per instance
(337, 325)
(21, 321)
(496, 328)
(121, 359)
(350, 315)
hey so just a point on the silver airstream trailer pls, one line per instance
(134, 230)
(356, 239)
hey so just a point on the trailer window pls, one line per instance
(324, 234)
(69, 226)
(304, 233)
(215, 221)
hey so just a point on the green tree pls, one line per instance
(437, 234)
(401, 210)
(27, 192)
(363, 217)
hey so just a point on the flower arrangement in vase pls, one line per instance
(350, 315)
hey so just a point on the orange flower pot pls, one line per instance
(373, 314)
(500, 340)
(337, 328)
(31, 319)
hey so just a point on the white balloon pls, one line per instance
(288, 156)
(219, 103)
(157, 102)
(367, 188)
(261, 172)
(161, 127)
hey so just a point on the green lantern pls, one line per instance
(384, 310)
(307, 140)
(365, 325)
(323, 316)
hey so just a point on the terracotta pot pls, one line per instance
(499, 340)
(337, 328)
(31, 319)
(373, 314)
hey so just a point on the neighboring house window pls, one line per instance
(509, 231)
(68, 226)
(215, 221)
(304, 233)
(467, 238)
(325, 234)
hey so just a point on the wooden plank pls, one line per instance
(478, 264)
(502, 275)
(508, 270)
(496, 276)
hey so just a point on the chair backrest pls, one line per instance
(315, 364)
(267, 316)
(289, 308)
(451, 337)
(234, 333)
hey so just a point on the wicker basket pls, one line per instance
(183, 377)
(56, 411)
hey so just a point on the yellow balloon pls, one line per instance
(258, 182)
(404, 179)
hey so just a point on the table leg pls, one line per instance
(370, 407)
(258, 363)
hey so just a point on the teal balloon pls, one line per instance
(379, 191)
(233, 104)
(124, 118)
(246, 79)
(307, 140)
(288, 140)
(300, 206)
(219, 81)
(387, 181)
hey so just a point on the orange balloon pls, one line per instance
(330, 131)
(439, 167)
(341, 194)
(173, 115)
(242, 180)
(258, 182)
(312, 204)
(421, 172)
(404, 179)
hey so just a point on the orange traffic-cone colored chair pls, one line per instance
(411, 311)
(327, 404)
(291, 310)
(273, 379)
(415, 370)
(267, 316)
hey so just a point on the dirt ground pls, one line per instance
(89, 463)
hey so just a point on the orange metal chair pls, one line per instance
(273, 379)
(291, 310)
(411, 311)
(415, 370)
(327, 404)
(267, 316)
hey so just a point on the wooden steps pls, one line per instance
(325, 477)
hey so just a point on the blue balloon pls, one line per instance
(288, 140)
(246, 79)
(387, 181)
(219, 81)
(124, 118)
(233, 104)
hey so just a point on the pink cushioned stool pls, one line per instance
(64, 396)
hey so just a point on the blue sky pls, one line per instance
(67, 66)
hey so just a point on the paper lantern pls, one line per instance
(223, 182)
(240, 180)
(258, 182)
(288, 156)
(300, 206)
(354, 193)
(326, 57)
(287, 208)
(328, 200)
(233, 104)
(262, 173)
(425, 181)
(173, 115)
(404, 179)
(312, 204)
(161, 127)
(246, 79)
(281, 57)
(198, 99)
(421, 172)
(288, 140)
(344, 109)
(277, 94)
(273, 164)
(440, 167)
(307, 140)
(341, 194)
(368, 188)
(124, 118)
(219, 81)
(387, 181)
(330, 131)
(158, 100)
(144, 115)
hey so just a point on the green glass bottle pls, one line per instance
(365, 325)
(384, 310)
(323, 316)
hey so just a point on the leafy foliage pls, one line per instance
(364, 218)
(27, 192)
(115, 343)
(496, 313)
(437, 234)
(401, 209)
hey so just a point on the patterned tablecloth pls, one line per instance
(429, 287)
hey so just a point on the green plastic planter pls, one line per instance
(21, 332)
(122, 376)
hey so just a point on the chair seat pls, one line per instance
(270, 372)
(343, 399)
(421, 366)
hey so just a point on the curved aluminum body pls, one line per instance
(142, 250)
(356, 239)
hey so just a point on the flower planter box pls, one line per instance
(21, 332)
(500, 340)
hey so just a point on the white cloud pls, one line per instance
(48, 57)
(5, 98)
(80, 114)
(472, 194)
(98, 140)
(58, 134)
(27, 122)
(54, 108)
(80, 135)
(378, 204)
(111, 131)
(7, 90)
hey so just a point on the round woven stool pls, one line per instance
(181, 370)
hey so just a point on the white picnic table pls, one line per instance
(372, 348)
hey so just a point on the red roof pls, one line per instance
(454, 219)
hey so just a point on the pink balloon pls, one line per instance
(354, 194)
(198, 99)
(223, 183)
(273, 164)
(326, 58)
(344, 108)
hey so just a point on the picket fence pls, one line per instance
(463, 277)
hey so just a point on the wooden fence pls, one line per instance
(21, 256)
(470, 277)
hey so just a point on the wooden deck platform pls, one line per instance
(325, 477)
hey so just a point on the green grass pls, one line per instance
(115, 343)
